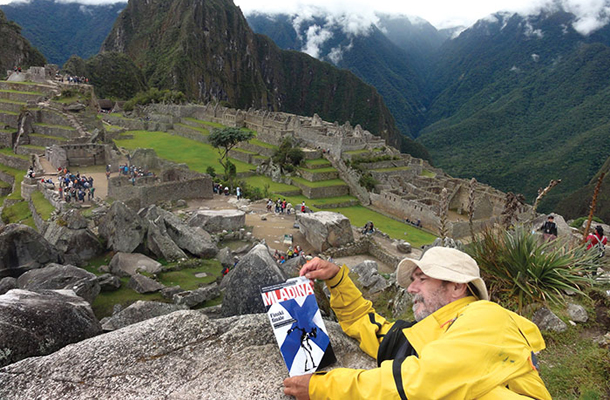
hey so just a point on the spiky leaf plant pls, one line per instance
(520, 269)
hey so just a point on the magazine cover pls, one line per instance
(298, 326)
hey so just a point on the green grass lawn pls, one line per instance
(356, 152)
(7, 112)
(105, 301)
(262, 144)
(19, 92)
(360, 215)
(5, 185)
(8, 130)
(274, 187)
(327, 183)
(60, 138)
(320, 170)
(186, 278)
(69, 128)
(392, 169)
(428, 174)
(12, 102)
(18, 213)
(43, 207)
(317, 161)
(29, 146)
(203, 131)
(198, 156)
(9, 152)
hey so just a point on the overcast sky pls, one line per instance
(441, 13)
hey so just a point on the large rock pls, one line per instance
(109, 282)
(368, 275)
(143, 284)
(193, 298)
(547, 321)
(577, 313)
(563, 229)
(122, 228)
(35, 324)
(73, 219)
(183, 355)
(193, 240)
(23, 249)
(325, 229)
(55, 276)
(225, 256)
(160, 244)
(243, 283)
(76, 244)
(8, 283)
(124, 264)
(138, 312)
(218, 220)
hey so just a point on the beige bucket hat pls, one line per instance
(445, 264)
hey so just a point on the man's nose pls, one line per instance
(413, 288)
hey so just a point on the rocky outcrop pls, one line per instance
(77, 244)
(546, 320)
(183, 355)
(242, 287)
(168, 234)
(368, 275)
(15, 49)
(196, 297)
(23, 249)
(124, 264)
(55, 276)
(325, 229)
(218, 220)
(34, 324)
(109, 282)
(226, 257)
(143, 284)
(7, 284)
(138, 312)
(122, 228)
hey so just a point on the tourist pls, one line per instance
(303, 206)
(226, 190)
(238, 193)
(549, 229)
(461, 347)
(597, 240)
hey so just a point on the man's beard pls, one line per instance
(436, 301)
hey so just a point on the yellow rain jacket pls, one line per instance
(468, 349)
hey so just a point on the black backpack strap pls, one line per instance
(395, 344)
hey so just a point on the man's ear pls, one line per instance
(459, 290)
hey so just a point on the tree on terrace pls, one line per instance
(224, 140)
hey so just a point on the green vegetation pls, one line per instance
(69, 128)
(20, 92)
(60, 138)
(317, 161)
(367, 181)
(287, 156)
(274, 187)
(9, 152)
(105, 301)
(197, 155)
(521, 269)
(578, 222)
(319, 170)
(43, 207)
(8, 112)
(327, 183)
(18, 213)
(206, 123)
(428, 174)
(186, 278)
(203, 131)
(154, 95)
(359, 215)
(391, 169)
(224, 140)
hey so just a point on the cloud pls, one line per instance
(315, 38)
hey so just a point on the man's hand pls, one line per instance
(319, 269)
(297, 386)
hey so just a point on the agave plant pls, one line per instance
(520, 269)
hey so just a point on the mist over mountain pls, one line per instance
(60, 30)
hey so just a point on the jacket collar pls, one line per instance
(431, 327)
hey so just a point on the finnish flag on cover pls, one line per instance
(298, 326)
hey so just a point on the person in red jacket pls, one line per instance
(597, 239)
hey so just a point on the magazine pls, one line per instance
(298, 326)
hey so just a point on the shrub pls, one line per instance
(155, 95)
(577, 223)
(211, 171)
(520, 269)
(367, 181)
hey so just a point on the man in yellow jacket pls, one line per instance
(462, 346)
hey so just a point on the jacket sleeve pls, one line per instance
(356, 315)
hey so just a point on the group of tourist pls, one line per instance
(292, 252)
(281, 206)
(217, 188)
(74, 187)
(416, 224)
(131, 171)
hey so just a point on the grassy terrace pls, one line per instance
(274, 187)
(4, 185)
(9, 152)
(359, 215)
(7, 130)
(19, 92)
(29, 146)
(203, 131)
(55, 126)
(330, 182)
(319, 170)
(18, 213)
(7, 112)
(428, 174)
(42, 205)
(198, 156)
(60, 138)
(392, 169)
(257, 142)
(317, 161)
(12, 102)
(206, 123)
